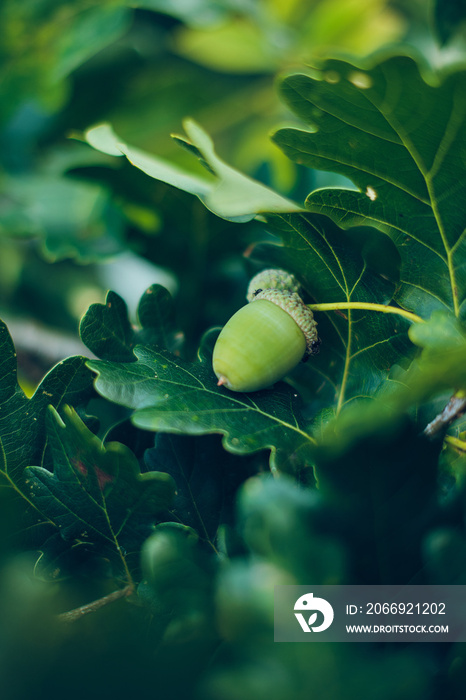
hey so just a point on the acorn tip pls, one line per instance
(221, 381)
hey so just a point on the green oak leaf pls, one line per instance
(422, 389)
(198, 467)
(172, 395)
(402, 141)
(206, 479)
(225, 191)
(23, 438)
(96, 494)
(106, 330)
(358, 347)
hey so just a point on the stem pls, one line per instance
(366, 305)
(456, 443)
(344, 379)
(77, 613)
(453, 410)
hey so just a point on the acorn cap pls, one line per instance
(272, 279)
(299, 312)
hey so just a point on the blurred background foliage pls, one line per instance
(144, 66)
(74, 223)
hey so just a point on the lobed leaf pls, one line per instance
(23, 437)
(105, 329)
(229, 193)
(402, 141)
(96, 494)
(107, 332)
(172, 395)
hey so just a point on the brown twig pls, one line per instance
(453, 410)
(77, 613)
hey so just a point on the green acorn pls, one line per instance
(265, 340)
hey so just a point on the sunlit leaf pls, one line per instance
(229, 193)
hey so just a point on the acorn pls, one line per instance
(264, 340)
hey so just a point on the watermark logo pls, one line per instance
(308, 603)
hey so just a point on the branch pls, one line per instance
(77, 613)
(453, 410)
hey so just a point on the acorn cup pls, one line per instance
(267, 338)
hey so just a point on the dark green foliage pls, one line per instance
(206, 477)
(96, 496)
(448, 16)
(139, 555)
(107, 332)
(23, 436)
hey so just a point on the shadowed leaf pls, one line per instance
(96, 494)
(108, 333)
(206, 479)
(23, 437)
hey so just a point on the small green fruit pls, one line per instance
(264, 341)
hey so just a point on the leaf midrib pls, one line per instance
(390, 224)
(367, 171)
(426, 175)
(407, 143)
(241, 408)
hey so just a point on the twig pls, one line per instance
(453, 410)
(77, 613)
